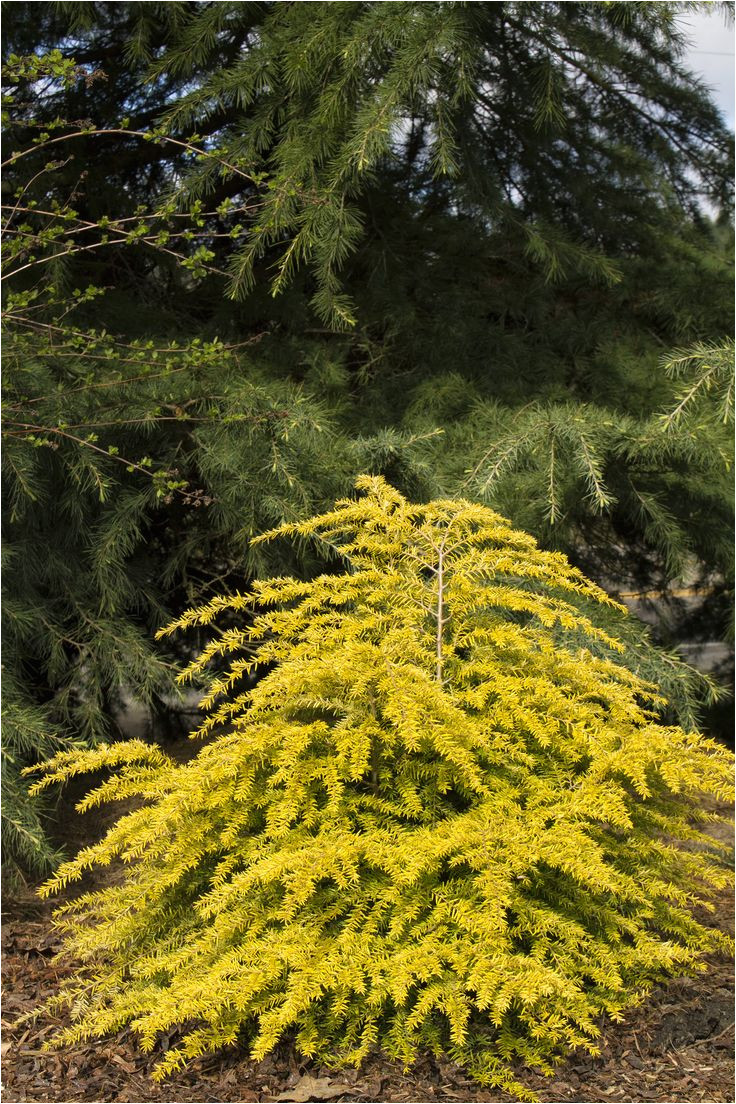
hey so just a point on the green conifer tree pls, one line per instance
(448, 816)
(505, 197)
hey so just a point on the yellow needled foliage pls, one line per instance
(446, 816)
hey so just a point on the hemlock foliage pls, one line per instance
(446, 816)
(27, 735)
(254, 249)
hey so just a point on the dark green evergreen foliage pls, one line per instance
(27, 737)
(640, 498)
(480, 219)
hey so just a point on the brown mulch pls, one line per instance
(678, 1046)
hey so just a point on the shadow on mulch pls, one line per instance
(676, 1047)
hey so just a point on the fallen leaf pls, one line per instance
(313, 1088)
(129, 1067)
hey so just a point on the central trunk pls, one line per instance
(440, 609)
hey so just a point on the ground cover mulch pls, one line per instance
(678, 1046)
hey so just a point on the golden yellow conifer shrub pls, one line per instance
(441, 818)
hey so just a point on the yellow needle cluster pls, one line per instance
(447, 816)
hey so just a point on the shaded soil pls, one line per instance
(678, 1046)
